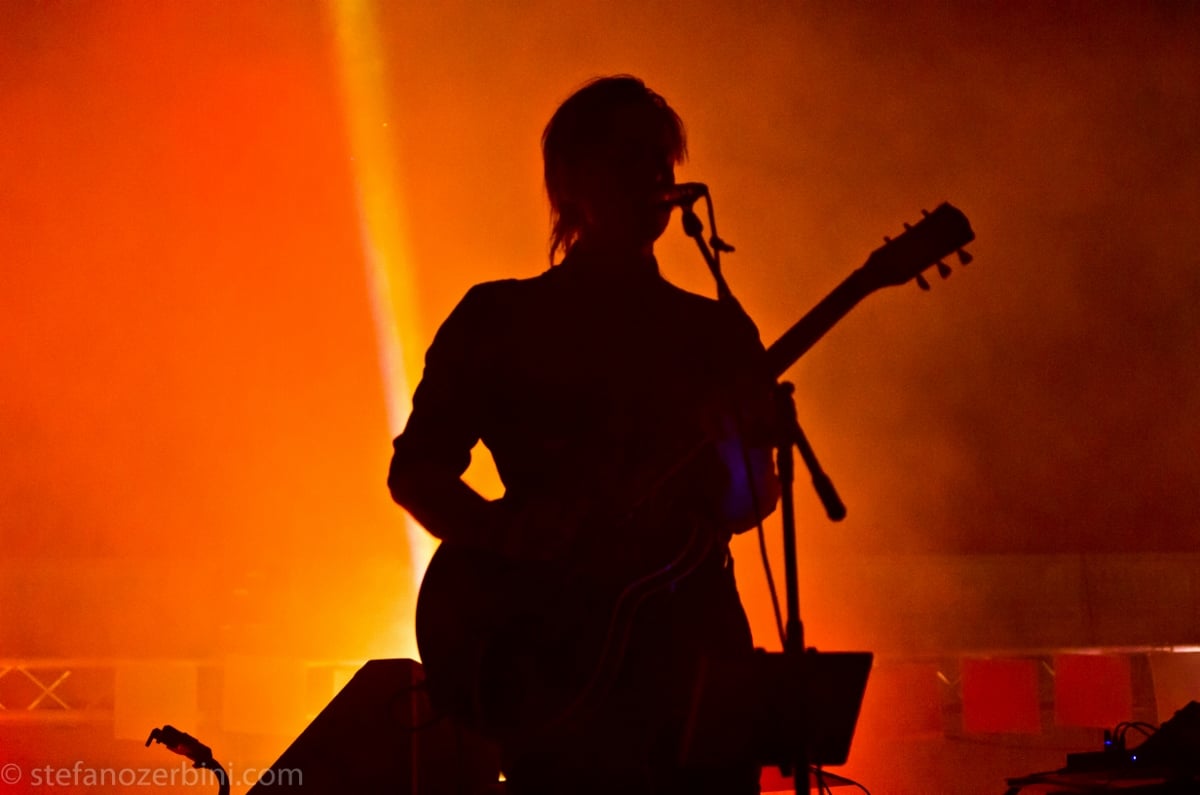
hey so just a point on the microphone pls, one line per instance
(684, 194)
(181, 743)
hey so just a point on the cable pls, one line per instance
(1147, 732)
(825, 787)
(771, 589)
(822, 787)
(748, 466)
(860, 786)
(1122, 728)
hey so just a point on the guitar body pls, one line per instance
(500, 647)
(513, 649)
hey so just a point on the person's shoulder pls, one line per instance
(503, 289)
(498, 299)
(490, 293)
(695, 303)
(687, 296)
(712, 316)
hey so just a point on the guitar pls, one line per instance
(516, 649)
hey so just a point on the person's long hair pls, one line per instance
(575, 134)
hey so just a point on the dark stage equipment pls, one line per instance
(379, 736)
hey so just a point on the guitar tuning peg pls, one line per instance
(907, 227)
(964, 257)
(887, 239)
(924, 285)
(943, 270)
(924, 213)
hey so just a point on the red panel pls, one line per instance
(1092, 690)
(1000, 696)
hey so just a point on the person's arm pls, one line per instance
(439, 500)
(430, 456)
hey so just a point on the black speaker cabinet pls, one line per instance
(379, 735)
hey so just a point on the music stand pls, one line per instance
(766, 707)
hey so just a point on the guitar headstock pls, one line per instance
(922, 246)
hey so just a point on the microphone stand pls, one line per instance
(790, 436)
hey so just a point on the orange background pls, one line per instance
(194, 423)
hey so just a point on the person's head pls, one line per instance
(608, 152)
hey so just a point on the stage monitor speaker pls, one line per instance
(380, 736)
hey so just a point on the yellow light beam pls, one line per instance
(384, 232)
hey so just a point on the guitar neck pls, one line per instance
(797, 340)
